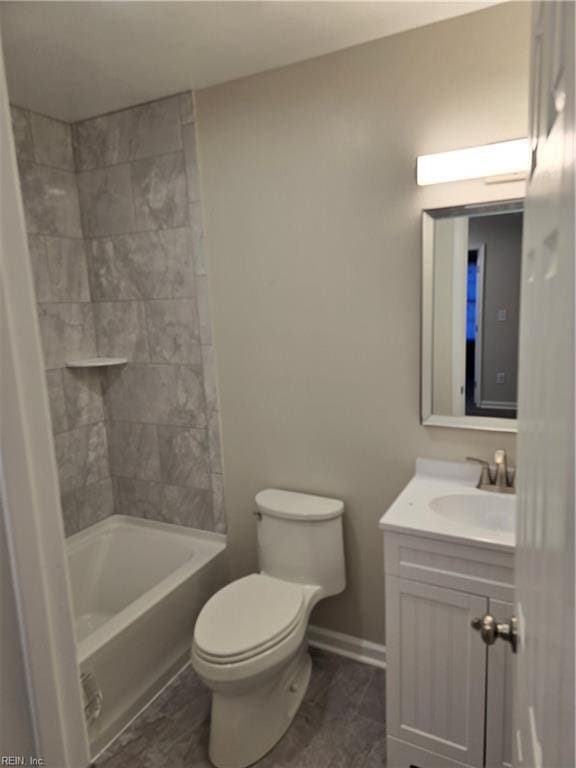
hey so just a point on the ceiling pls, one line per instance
(73, 60)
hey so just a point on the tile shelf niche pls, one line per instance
(96, 362)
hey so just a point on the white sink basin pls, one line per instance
(489, 511)
(442, 501)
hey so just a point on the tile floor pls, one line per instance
(341, 724)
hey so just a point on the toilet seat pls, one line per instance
(247, 618)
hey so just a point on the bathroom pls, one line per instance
(220, 282)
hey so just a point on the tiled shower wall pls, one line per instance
(57, 251)
(145, 299)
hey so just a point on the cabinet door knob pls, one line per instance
(490, 630)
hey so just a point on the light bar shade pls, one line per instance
(501, 159)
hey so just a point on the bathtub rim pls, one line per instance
(91, 644)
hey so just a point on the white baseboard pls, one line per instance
(348, 645)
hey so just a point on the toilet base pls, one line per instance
(247, 724)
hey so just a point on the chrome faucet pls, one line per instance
(495, 477)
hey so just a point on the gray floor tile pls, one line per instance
(373, 702)
(341, 724)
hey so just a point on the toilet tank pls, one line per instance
(300, 539)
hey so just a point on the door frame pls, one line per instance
(459, 280)
(29, 489)
(478, 321)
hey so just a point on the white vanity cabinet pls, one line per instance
(448, 694)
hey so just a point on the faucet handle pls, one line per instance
(485, 478)
(500, 457)
(502, 480)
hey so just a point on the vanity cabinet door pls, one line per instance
(436, 669)
(499, 726)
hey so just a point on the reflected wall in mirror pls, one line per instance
(471, 307)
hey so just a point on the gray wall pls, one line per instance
(115, 233)
(313, 225)
(502, 236)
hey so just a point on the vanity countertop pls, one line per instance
(442, 502)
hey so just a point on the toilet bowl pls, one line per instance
(249, 643)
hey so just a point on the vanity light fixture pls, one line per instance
(505, 158)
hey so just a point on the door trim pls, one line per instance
(478, 322)
(29, 488)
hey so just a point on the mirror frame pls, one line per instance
(427, 418)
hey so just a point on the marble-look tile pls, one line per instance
(83, 396)
(106, 201)
(69, 512)
(104, 140)
(173, 731)
(376, 757)
(203, 303)
(146, 744)
(134, 451)
(56, 399)
(173, 331)
(191, 155)
(156, 128)
(353, 739)
(214, 442)
(152, 265)
(373, 703)
(139, 498)
(186, 748)
(186, 107)
(218, 505)
(22, 133)
(50, 201)
(157, 394)
(184, 456)
(340, 691)
(184, 701)
(159, 189)
(67, 332)
(81, 456)
(87, 505)
(327, 731)
(197, 230)
(97, 463)
(52, 142)
(67, 269)
(142, 131)
(121, 330)
(39, 263)
(191, 507)
(300, 747)
(94, 502)
(210, 381)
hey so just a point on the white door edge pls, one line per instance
(29, 487)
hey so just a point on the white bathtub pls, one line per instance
(137, 588)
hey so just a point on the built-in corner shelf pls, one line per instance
(96, 362)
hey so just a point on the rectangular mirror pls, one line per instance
(470, 315)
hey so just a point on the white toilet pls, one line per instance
(249, 641)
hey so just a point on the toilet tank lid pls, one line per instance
(298, 506)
